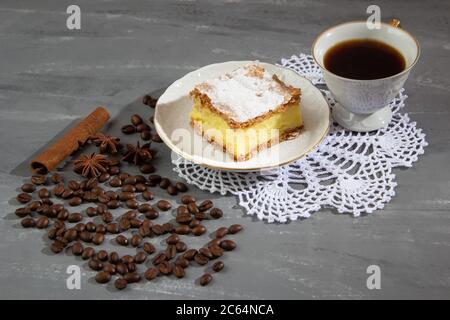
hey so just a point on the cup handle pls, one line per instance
(395, 23)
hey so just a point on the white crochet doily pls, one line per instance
(351, 172)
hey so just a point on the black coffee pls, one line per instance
(364, 59)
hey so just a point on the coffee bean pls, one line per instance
(186, 199)
(58, 190)
(136, 240)
(80, 227)
(163, 205)
(91, 212)
(198, 230)
(151, 214)
(228, 245)
(67, 194)
(107, 217)
(190, 254)
(113, 204)
(123, 176)
(156, 138)
(221, 232)
(157, 229)
(216, 251)
(201, 259)
(62, 240)
(73, 185)
(132, 204)
(124, 196)
(216, 213)
(28, 223)
(132, 277)
(23, 198)
(200, 216)
(206, 253)
(194, 223)
(129, 183)
(165, 268)
(102, 208)
(120, 284)
(75, 217)
(115, 182)
(103, 277)
(149, 248)
(172, 190)
(182, 262)
(98, 238)
(192, 207)
(130, 214)
(77, 249)
(42, 222)
(140, 187)
(143, 127)
(128, 129)
(101, 228)
(153, 180)
(168, 227)
(183, 229)
(235, 228)
(113, 170)
(160, 257)
(85, 236)
(151, 273)
(114, 257)
(164, 183)
(104, 177)
(90, 226)
(149, 101)
(96, 265)
(88, 252)
(56, 247)
(144, 231)
(218, 266)
(181, 246)
(111, 269)
(102, 255)
(140, 257)
(147, 168)
(28, 187)
(136, 119)
(89, 196)
(144, 207)
(146, 136)
(112, 228)
(22, 212)
(148, 195)
(121, 268)
(183, 218)
(71, 234)
(205, 279)
(38, 179)
(75, 201)
(122, 240)
(173, 239)
(205, 205)
(135, 223)
(170, 252)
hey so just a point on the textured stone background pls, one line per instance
(50, 77)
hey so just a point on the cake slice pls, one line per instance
(246, 111)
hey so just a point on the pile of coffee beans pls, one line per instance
(50, 202)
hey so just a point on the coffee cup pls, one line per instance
(363, 105)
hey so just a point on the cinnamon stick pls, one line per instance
(70, 142)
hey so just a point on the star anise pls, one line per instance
(105, 143)
(137, 154)
(91, 165)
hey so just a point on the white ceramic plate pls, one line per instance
(172, 122)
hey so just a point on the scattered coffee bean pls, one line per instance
(142, 128)
(56, 178)
(218, 266)
(121, 268)
(124, 196)
(192, 207)
(156, 138)
(73, 185)
(183, 229)
(140, 187)
(206, 253)
(160, 257)
(113, 204)
(235, 228)
(122, 240)
(23, 198)
(112, 228)
(90, 226)
(80, 227)
(101, 228)
(198, 230)
(135, 223)
(165, 268)
(67, 194)
(201, 259)
(102, 255)
(38, 179)
(124, 224)
(182, 262)
(107, 217)
(58, 190)
(205, 279)
(88, 253)
(111, 269)
(85, 236)
(28, 188)
(56, 247)
(75, 201)
(146, 136)
(140, 257)
(172, 190)
(136, 119)
(216, 213)
(151, 273)
(104, 177)
(115, 182)
(205, 205)
(96, 265)
(163, 205)
(136, 240)
(186, 199)
(200, 216)
(190, 254)
(114, 170)
(228, 245)
(77, 249)
(71, 234)
(103, 277)
(153, 180)
(151, 214)
(170, 252)
(128, 129)
(132, 204)
(157, 229)
(181, 187)
(173, 239)
(114, 257)
(183, 218)
(98, 238)
(132, 277)
(178, 271)
(75, 217)
(22, 212)
(148, 195)
(42, 222)
(221, 232)
(181, 246)
(120, 284)
(28, 223)
(149, 248)
(165, 183)
(194, 223)
(149, 101)
(216, 251)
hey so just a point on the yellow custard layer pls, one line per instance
(242, 143)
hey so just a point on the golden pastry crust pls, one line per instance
(205, 102)
(287, 135)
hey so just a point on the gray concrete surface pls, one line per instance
(50, 77)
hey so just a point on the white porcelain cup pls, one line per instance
(363, 105)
